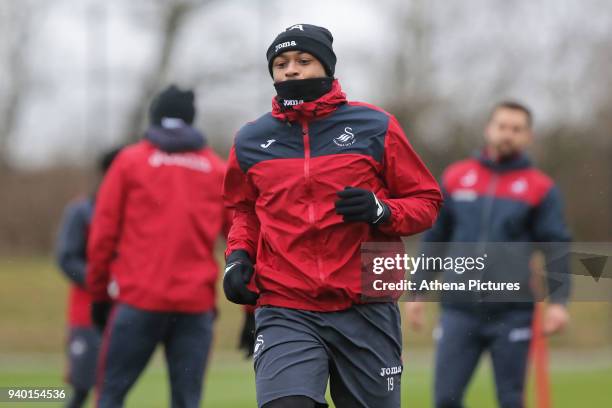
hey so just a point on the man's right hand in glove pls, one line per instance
(238, 273)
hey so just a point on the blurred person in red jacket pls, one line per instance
(159, 212)
(309, 183)
(83, 338)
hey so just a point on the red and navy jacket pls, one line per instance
(502, 202)
(71, 258)
(283, 174)
(157, 217)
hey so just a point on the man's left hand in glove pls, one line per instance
(360, 205)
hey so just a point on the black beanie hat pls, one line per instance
(305, 37)
(173, 103)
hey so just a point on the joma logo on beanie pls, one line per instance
(284, 45)
(309, 38)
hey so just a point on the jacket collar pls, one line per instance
(516, 162)
(325, 105)
(173, 140)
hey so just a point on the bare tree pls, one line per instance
(410, 86)
(174, 14)
(412, 96)
(16, 20)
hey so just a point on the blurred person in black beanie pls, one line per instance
(159, 212)
(173, 103)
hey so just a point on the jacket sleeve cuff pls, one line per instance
(249, 252)
(238, 255)
(562, 300)
(388, 226)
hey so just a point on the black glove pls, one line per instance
(238, 273)
(247, 336)
(357, 204)
(99, 314)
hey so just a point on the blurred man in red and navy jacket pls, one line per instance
(497, 199)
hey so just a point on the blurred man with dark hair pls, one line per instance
(497, 196)
(159, 213)
(84, 339)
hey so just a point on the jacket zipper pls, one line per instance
(308, 185)
(485, 221)
(488, 208)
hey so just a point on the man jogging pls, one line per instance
(158, 214)
(309, 183)
(497, 196)
(83, 338)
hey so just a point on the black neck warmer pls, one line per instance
(293, 92)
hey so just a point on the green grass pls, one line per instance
(33, 301)
(230, 383)
(32, 332)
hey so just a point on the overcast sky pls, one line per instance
(87, 58)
